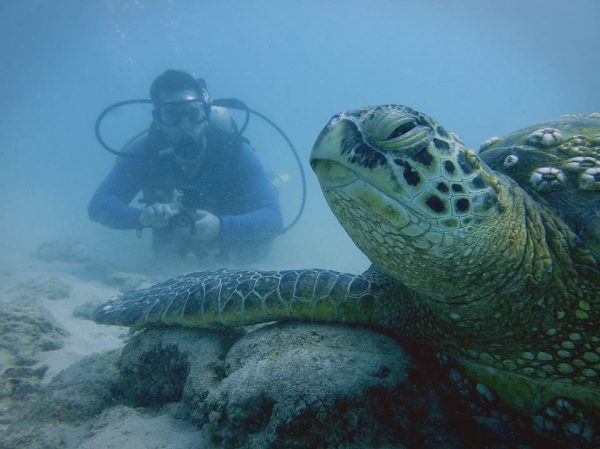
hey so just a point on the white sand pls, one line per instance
(85, 337)
(117, 427)
(123, 427)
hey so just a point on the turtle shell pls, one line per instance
(558, 164)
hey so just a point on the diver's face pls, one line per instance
(182, 119)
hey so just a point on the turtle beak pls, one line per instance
(326, 156)
(328, 142)
(333, 174)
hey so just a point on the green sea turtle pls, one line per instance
(490, 258)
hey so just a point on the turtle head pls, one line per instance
(413, 197)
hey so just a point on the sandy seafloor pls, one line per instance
(66, 291)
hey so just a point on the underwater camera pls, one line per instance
(189, 201)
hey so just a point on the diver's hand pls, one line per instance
(157, 215)
(207, 225)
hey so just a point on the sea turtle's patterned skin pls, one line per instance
(490, 258)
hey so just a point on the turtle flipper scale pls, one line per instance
(242, 297)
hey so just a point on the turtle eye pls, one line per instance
(402, 129)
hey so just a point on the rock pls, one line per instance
(127, 281)
(33, 289)
(27, 329)
(314, 385)
(77, 255)
(68, 251)
(19, 382)
(83, 389)
(42, 436)
(79, 392)
(351, 387)
(165, 365)
(58, 413)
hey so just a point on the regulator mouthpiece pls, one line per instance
(187, 148)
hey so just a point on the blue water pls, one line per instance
(481, 68)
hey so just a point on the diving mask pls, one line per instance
(172, 112)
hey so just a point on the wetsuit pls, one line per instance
(231, 184)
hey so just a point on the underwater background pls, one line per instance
(481, 68)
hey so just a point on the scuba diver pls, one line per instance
(204, 189)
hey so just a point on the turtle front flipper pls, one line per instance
(236, 298)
